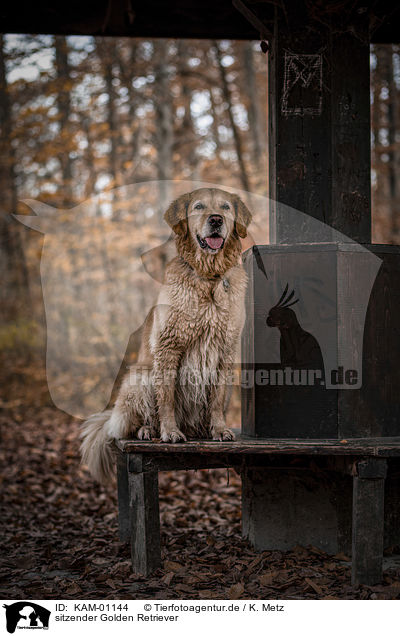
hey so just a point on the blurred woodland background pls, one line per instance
(83, 117)
(103, 132)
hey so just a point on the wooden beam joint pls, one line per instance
(255, 21)
(370, 468)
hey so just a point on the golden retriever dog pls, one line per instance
(179, 387)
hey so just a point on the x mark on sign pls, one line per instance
(306, 71)
(304, 68)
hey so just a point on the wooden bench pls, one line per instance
(365, 460)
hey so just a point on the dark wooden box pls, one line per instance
(348, 310)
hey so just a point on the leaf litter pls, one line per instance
(60, 531)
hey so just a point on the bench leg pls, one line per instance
(368, 521)
(145, 522)
(124, 524)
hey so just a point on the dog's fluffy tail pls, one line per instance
(96, 447)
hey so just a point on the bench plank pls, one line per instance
(378, 446)
(364, 458)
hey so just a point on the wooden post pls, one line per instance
(319, 126)
(368, 524)
(144, 519)
(124, 525)
(319, 164)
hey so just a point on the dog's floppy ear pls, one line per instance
(242, 216)
(176, 215)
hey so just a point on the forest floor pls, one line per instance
(60, 531)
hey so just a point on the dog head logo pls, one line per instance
(100, 276)
(26, 615)
(100, 279)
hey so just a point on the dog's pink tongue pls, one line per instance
(214, 242)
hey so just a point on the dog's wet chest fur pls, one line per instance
(208, 321)
(208, 309)
(204, 307)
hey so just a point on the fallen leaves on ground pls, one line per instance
(60, 532)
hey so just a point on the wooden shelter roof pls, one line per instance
(220, 19)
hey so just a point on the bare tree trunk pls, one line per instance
(385, 123)
(15, 288)
(127, 70)
(164, 131)
(228, 101)
(89, 160)
(393, 151)
(186, 142)
(380, 197)
(109, 59)
(107, 52)
(375, 156)
(64, 108)
(396, 150)
(253, 108)
(214, 115)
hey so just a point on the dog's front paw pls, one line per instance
(173, 436)
(226, 435)
(144, 432)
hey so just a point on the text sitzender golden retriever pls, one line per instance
(178, 388)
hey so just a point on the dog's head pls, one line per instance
(209, 217)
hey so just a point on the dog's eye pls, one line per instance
(225, 206)
(199, 206)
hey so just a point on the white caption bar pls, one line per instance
(279, 618)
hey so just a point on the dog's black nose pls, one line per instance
(215, 220)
